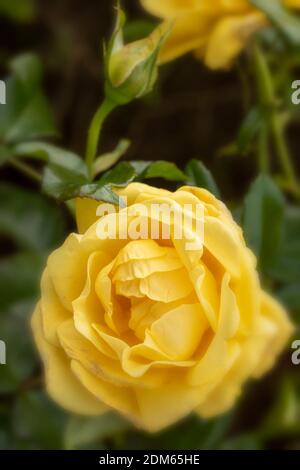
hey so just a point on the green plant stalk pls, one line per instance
(26, 169)
(263, 150)
(95, 132)
(268, 102)
(34, 175)
(283, 152)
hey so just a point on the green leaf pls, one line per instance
(32, 221)
(38, 422)
(81, 432)
(263, 220)
(65, 172)
(35, 121)
(66, 178)
(283, 417)
(62, 185)
(287, 265)
(106, 161)
(200, 176)
(21, 359)
(249, 130)
(160, 169)
(4, 440)
(99, 193)
(5, 154)
(237, 213)
(292, 224)
(193, 433)
(18, 10)
(248, 441)
(290, 296)
(28, 69)
(167, 170)
(205, 434)
(58, 159)
(19, 278)
(27, 114)
(19, 288)
(281, 17)
(120, 175)
(140, 167)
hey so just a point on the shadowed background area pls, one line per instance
(200, 110)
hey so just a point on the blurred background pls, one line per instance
(193, 113)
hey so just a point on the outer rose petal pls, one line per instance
(86, 213)
(258, 354)
(277, 316)
(120, 398)
(229, 37)
(164, 406)
(189, 33)
(61, 384)
(67, 269)
(52, 311)
(171, 8)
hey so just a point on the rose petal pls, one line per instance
(179, 331)
(52, 311)
(119, 398)
(230, 36)
(67, 269)
(61, 384)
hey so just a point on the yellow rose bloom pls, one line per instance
(150, 328)
(216, 30)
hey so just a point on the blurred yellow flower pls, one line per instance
(216, 30)
(149, 328)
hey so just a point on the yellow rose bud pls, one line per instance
(131, 70)
(150, 328)
(216, 30)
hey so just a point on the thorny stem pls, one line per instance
(276, 124)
